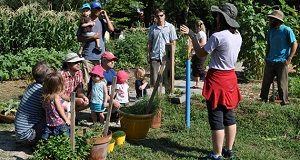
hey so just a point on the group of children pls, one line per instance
(57, 109)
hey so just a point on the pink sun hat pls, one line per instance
(122, 76)
(98, 70)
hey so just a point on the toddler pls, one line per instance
(122, 93)
(57, 121)
(140, 82)
(98, 95)
(87, 27)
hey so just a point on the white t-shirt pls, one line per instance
(122, 93)
(200, 34)
(224, 48)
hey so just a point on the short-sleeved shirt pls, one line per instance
(89, 51)
(122, 93)
(72, 82)
(159, 37)
(84, 20)
(200, 35)
(109, 76)
(30, 112)
(223, 48)
(280, 43)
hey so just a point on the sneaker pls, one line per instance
(227, 153)
(263, 100)
(283, 104)
(98, 48)
(118, 122)
(212, 156)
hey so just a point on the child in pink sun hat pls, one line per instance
(122, 93)
(98, 94)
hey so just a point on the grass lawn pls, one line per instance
(265, 131)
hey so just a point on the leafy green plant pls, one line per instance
(131, 51)
(59, 147)
(140, 106)
(112, 141)
(96, 131)
(10, 107)
(118, 133)
(19, 66)
(293, 86)
(254, 25)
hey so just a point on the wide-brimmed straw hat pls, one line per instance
(73, 57)
(277, 14)
(229, 11)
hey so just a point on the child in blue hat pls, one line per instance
(87, 27)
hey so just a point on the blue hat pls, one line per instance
(96, 5)
(86, 5)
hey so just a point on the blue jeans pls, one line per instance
(55, 130)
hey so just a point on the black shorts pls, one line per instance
(219, 117)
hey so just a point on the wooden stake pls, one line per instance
(113, 87)
(162, 67)
(72, 110)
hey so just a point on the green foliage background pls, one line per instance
(254, 25)
(44, 33)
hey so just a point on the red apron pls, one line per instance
(221, 87)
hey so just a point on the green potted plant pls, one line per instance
(137, 118)
(59, 147)
(99, 142)
(8, 110)
(119, 136)
(111, 145)
(89, 144)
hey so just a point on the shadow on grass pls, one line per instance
(169, 147)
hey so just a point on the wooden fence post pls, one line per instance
(168, 76)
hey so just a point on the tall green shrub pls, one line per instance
(20, 65)
(32, 26)
(254, 25)
(131, 51)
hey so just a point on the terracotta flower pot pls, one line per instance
(100, 147)
(7, 119)
(156, 123)
(136, 127)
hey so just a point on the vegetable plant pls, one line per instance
(10, 107)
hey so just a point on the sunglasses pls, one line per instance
(76, 62)
(94, 75)
(97, 9)
(160, 15)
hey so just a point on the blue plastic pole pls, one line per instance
(188, 93)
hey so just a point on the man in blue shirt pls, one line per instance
(281, 47)
(90, 54)
(160, 33)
